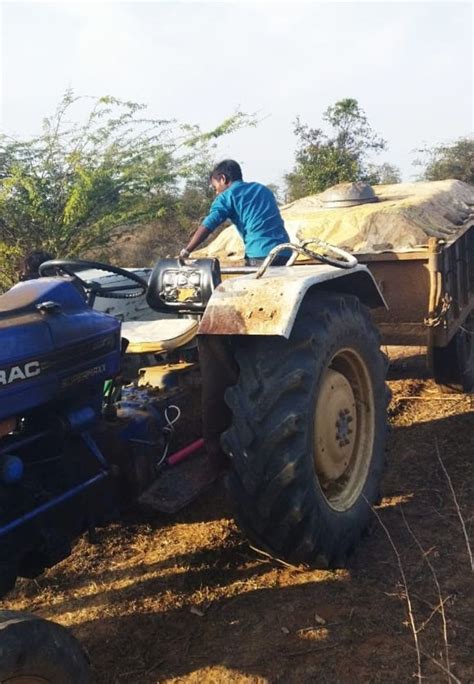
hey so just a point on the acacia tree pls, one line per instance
(72, 187)
(325, 159)
(450, 160)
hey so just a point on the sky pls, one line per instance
(409, 65)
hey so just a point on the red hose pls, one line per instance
(184, 453)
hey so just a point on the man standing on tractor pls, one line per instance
(251, 207)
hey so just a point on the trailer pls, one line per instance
(430, 298)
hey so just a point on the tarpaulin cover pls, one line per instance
(405, 216)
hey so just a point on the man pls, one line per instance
(251, 207)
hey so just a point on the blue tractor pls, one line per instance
(56, 353)
(85, 419)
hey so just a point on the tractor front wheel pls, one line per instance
(307, 442)
(36, 651)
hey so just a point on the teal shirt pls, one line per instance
(253, 209)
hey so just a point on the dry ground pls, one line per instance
(185, 599)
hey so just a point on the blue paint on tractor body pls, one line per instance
(52, 354)
(55, 355)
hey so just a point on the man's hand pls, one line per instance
(184, 254)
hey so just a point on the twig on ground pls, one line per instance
(440, 606)
(291, 654)
(437, 609)
(458, 510)
(155, 665)
(298, 568)
(440, 665)
(123, 675)
(260, 561)
(405, 586)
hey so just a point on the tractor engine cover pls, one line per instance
(53, 346)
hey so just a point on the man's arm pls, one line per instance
(201, 234)
(218, 214)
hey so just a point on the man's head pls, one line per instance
(32, 262)
(224, 174)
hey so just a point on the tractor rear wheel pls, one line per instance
(36, 651)
(307, 441)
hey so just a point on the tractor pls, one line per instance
(88, 404)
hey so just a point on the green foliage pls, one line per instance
(325, 159)
(9, 266)
(77, 185)
(455, 160)
(384, 174)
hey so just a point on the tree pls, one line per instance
(454, 160)
(384, 174)
(275, 188)
(325, 159)
(10, 258)
(74, 186)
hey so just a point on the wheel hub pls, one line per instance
(336, 426)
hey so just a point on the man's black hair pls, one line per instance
(228, 168)
(32, 262)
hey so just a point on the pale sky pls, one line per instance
(409, 64)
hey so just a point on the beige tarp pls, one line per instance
(405, 216)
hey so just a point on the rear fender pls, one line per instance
(268, 305)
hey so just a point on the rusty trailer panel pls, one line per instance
(429, 292)
(405, 286)
(268, 305)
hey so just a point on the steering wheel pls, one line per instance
(59, 267)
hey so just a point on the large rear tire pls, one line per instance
(36, 651)
(307, 441)
(453, 365)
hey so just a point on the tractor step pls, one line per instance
(178, 485)
(167, 376)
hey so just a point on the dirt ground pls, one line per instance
(185, 599)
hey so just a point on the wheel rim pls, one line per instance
(344, 426)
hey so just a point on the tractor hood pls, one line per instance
(52, 343)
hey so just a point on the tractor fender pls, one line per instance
(246, 305)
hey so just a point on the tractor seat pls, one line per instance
(153, 337)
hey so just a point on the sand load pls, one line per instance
(383, 218)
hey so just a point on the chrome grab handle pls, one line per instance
(343, 258)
